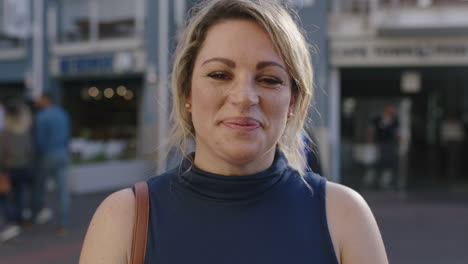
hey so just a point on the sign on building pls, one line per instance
(400, 52)
(16, 18)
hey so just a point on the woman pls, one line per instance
(242, 84)
(15, 159)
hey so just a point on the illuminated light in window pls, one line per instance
(121, 90)
(349, 106)
(128, 95)
(93, 91)
(108, 93)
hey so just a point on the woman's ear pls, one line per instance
(188, 104)
(292, 105)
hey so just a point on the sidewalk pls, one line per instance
(424, 227)
(429, 228)
(40, 245)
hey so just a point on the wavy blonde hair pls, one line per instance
(277, 19)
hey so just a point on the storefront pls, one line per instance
(104, 113)
(427, 80)
(102, 93)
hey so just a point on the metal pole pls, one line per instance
(139, 18)
(52, 23)
(93, 20)
(373, 13)
(163, 64)
(179, 14)
(38, 49)
(335, 110)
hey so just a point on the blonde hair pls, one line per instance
(278, 21)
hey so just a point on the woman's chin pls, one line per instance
(244, 155)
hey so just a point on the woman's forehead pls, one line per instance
(237, 38)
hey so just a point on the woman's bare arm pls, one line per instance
(355, 234)
(109, 236)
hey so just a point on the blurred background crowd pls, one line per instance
(391, 92)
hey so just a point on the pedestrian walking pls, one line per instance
(242, 84)
(384, 132)
(16, 153)
(52, 136)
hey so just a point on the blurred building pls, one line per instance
(92, 55)
(108, 63)
(412, 53)
(13, 59)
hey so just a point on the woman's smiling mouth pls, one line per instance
(242, 124)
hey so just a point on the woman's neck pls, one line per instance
(233, 166)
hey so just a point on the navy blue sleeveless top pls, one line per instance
(271, 217)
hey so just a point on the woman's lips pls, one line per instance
(243, 124)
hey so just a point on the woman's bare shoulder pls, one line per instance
(109, 235)
(354, 230)
(341, 198)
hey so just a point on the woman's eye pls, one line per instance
(271, 81)
(219, 76)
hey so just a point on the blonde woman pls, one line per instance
(242, 83)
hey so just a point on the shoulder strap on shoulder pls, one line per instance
(140, 229)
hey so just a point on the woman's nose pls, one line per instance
(244, 93)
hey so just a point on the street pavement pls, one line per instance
(40, 245)
(417, 227)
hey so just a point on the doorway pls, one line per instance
(433, 124)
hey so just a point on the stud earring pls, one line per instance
(291, 114)
(187, 105)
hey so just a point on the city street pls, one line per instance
(113, 88)
(423, 227)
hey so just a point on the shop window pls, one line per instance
(97, 19)
(104, 119)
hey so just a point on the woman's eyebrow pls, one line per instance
(232, 64)
(228, 62)
(264, 64)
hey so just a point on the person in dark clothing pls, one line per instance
(384, 132)
(52, 136)
(242, 84)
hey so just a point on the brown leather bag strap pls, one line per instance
(140, 229)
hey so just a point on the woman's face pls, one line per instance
(240, 99)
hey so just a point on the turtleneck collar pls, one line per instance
(222, 187)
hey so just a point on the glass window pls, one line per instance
(82, 20)
(74, 20)
(5, 40)
(351, 6)
(116, 18)
(104, 118)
